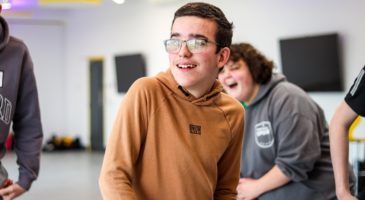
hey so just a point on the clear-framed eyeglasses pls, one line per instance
(195, 45)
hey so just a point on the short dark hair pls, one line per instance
(260, 67)
(224, 32)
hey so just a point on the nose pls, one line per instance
(184, 50)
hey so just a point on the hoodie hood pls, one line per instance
(168, 80)
(266, 88)
(4, 33)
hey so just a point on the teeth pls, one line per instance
(186, 66)
(230, 82)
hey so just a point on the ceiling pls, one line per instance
(33, 4)
(27, 8)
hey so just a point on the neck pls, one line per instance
(253, 95)
(196, 92)
(199, 92)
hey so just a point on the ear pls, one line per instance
(223, 56)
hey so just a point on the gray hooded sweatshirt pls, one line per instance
(19, 105)
(285, 127)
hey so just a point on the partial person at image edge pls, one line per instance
(349, 109)
(19, 107)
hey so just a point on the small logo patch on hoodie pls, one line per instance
(195, 129)
(264, 137)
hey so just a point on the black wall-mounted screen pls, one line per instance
(128, 69)
(313, 62)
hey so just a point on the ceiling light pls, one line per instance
(6, 5)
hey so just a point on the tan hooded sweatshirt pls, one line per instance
(167, 144)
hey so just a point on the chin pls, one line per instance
(182, 82)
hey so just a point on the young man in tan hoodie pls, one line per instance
(177, 136)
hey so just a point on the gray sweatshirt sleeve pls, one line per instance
(298, 146)
(27, 126)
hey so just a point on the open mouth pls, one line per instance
(231, 83)
(189, 66)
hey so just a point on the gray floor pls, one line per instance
(63, 175)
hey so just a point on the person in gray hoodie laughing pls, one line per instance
(286, 151)
(19, 106)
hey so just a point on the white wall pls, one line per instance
(140, 27)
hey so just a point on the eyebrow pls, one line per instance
(190, 36)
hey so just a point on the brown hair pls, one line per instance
(260, 67)
(224, 32)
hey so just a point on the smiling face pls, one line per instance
(238, 82)
(196, 72)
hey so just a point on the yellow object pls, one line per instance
(67, 141)
(96, 58)
(353, 126)
(49, 2)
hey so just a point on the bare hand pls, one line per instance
(347, 196)
(11, 191)
(247, 189)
